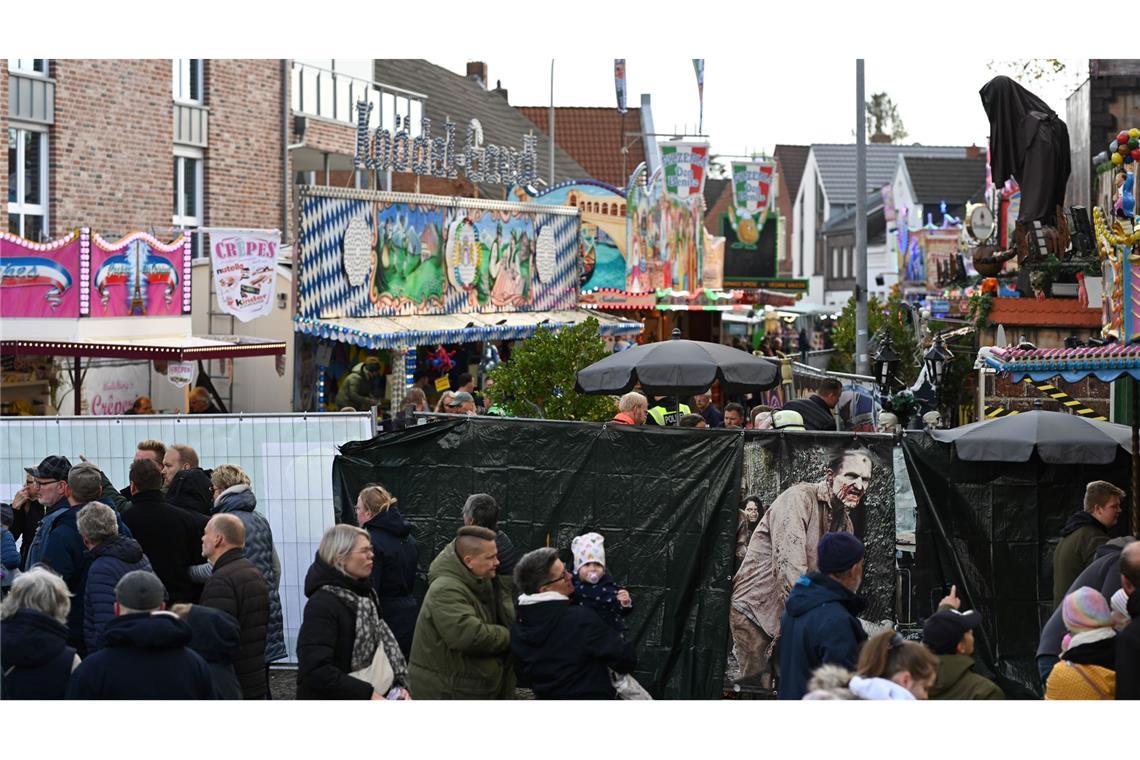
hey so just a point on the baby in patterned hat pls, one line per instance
(593, 586)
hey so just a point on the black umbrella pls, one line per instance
(1058, 438)
(679, 368)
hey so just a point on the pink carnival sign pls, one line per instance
(40, 279)
(140, 276)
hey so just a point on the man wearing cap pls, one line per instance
(51, 481)
(819, 626)
(707, 409)
(782, 548)
(144, 651)
(461, 403)
(356, 386)
(949, 633)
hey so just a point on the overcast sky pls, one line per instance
(937, 100)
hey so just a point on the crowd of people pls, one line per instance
(169, 589)
(816, 412)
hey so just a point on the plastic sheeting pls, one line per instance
(664, 498)
(991, 528)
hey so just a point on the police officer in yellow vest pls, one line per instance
(667, 412)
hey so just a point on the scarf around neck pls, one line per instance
(371, 632)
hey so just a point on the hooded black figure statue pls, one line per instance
(1029, 143)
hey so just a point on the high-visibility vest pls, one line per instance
(663, 416)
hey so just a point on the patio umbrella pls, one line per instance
(1058, 438)
(679, 368)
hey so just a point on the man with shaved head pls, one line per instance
(238, 588)
(461, 647)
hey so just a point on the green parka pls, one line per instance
(354, 389)
(461, 647)
(957, 680)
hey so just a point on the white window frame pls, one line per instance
(19, 207)
(181, 68)
(27, 66)
(180, 219)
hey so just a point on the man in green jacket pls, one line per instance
(461, 647)
(1083, 534)
(950, 635)
(356, 386)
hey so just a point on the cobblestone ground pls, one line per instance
(283, 684)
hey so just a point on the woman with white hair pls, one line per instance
(34, 656)
(344, 649)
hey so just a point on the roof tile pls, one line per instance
(594, 138)
(1043, 312)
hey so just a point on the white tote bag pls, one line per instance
(379, 673)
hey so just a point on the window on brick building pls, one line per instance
(28, 65)
(186, 79)
(188, 198)
(27, 183)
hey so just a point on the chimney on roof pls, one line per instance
(477, 71)
(880, 139)
(500, 90)
(973, 152)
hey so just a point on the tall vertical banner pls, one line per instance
(619, 83)
(752, 183)
(245, 271)
(684, 165)
(699, 68)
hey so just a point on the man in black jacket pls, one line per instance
(236, 587)
(563, 650)
(187, 485)
(816, 409)
(144, 651)
(171, 537)
(1128, 640)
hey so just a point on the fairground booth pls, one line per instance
(72, 304)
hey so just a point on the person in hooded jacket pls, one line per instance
(890, 668)
(819, 625)
(1087, 669)
(170, 537)
(461, 647)
(216, 636)
(144, 652)
(343, 641)
(1104, 574)
(394, 561)
(233, 495)
(111, 556)
(186, 484)
(564, 650)
(35, 659)
(1083, 534)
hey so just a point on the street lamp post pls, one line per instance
(936, 358)
(886, 364)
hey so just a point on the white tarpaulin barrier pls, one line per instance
(287, 456)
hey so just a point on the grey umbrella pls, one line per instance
(1058, 438)
(679, 368)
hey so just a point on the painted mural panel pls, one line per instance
(382, 255)
(39, 279)
(140, 276)
(651, 240)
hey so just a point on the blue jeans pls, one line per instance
(1045, 663)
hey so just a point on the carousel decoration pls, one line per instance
(1117, 238)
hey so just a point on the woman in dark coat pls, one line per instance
(394, 561)
(341, 630)
(34, 656)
